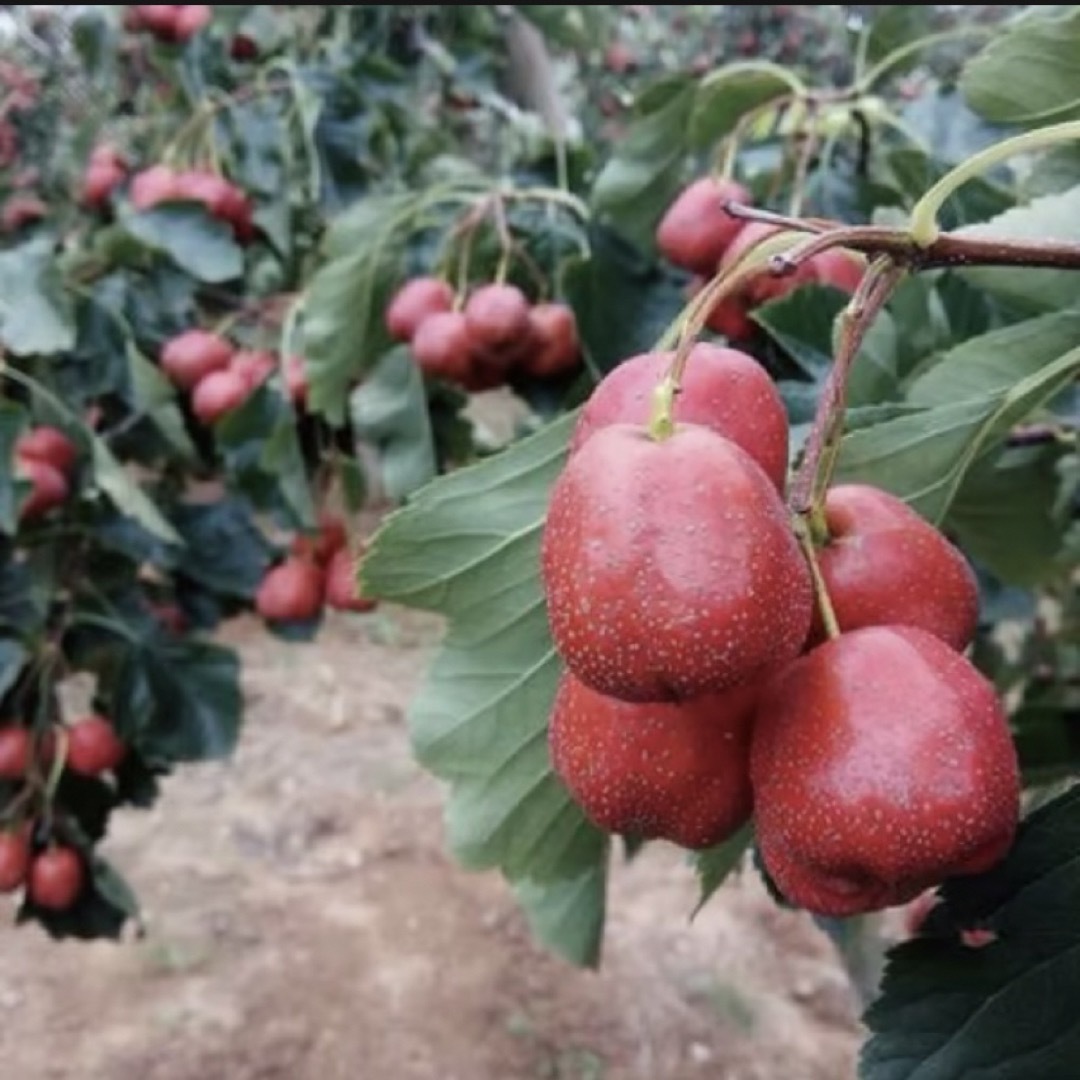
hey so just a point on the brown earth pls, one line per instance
(305, 923)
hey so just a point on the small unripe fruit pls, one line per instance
(696, 230)
(219, 393)
(442, 346)
(50, 445)
(56, 879)
(16, 745)
(292, 591)
(414, 302)
(49, 488)
(555, 347)
(93, 747)
(656, 770)
(341, 586)
(189, 357)
(497, 316)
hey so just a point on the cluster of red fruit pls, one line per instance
(496, 332)
(54, 874)
(172, 23)
(106, 171)
(160, 184)
(318, 570)
(697, 234)
(701, 686)
(220, 377)
(45, 457)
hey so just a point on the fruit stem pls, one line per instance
(662, 419)
(56, 770)
(821, 591)
(923, 224)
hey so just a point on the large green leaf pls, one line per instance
(1006, 1011)
(468, 548)
(186, 234)
(36, 312)
(124, 491)
(728, 94)
(1029, 74)
(568, 916)
(389, 410)
(224, 551)
(714, 865)
(1051, 217)
(343, 312)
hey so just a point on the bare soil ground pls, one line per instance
(305, 923)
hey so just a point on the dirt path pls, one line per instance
(305, 924)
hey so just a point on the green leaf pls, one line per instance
(467, 546)
(1005, 1011)
(713, 865)
(178, 701)
(13, 658)
(343, 323)
(1005, 514)
(728, 94)
(156, 396)
(801, 323)
(185, 233)
(223, 550)
(13, 420)
(893, 27)
(389, 410)
(568, 916)
(36, 312)
(1051, 216)
(1028, 74)
(641, 177)
(124, 491)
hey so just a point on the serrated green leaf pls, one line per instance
(36, 312)
(568, 916)
(389, 410)
(1005, 1011)
(468, 547)
(713, 865)
(343, 313)
(725, 96)
(1028, 74)
(1052, 217)
(122, 488)
(194, 241)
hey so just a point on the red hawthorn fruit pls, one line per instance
(189, 20)
(341, 586)
(254, 366)
(443, 347)
(50, 445)
(219, 393)
(331, 538)
(722, 389)
(192, 355)
(105, 172)
(49, 488)
(660, 771)
(56, 878)
(158, 19)
(555, 345)
(497, 318)
(243, 48)
(619, 58)
(696, 230)
(296, 380)
(841, 269)
(93, 747)
(414, 302)
(20, 210)
(764, 286)
(729, 317)
(16, 746)
(292, 591)
(669, 566)
(881, 764)
(885, 565)
(153, 186)
(14, 859)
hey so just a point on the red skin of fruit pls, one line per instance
(189, 357)
(696, 230)
(153, 186)
(619, 58)
(56, 879)
(93, 747)
(50, 488)
(331, 538)
(158, 19)
(219, 393)
(210, 189)
(657, 770)
(20, 210)
(50, 445)
(414, 302)
(670, 568)
(341, 587)
(101, 179)
(443, 347)
(881, 764)
(292, 591)
(14, 860)
(15, 749)
(190, 19)
(729, 317)
(254, 366)
(886, 565)
(556, 347)
(497, 317)
(243, 48)
(296, 380)
(722, 389)
(841, 269)
(764, 286)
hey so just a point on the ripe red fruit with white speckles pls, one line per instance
(669, 566)
(658, 770)
(292, 591)
(696, 230)
(93, 747)
(722, 389)
(841, 269)
(56, 878)
(189, 357)
(14, 859)
(497, 317)
(442, 346)
(764, 286)
(886, 565)
(556, 347)
(414, 302)
(881, 764)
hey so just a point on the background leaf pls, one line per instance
(194, 241)
(36, 312)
